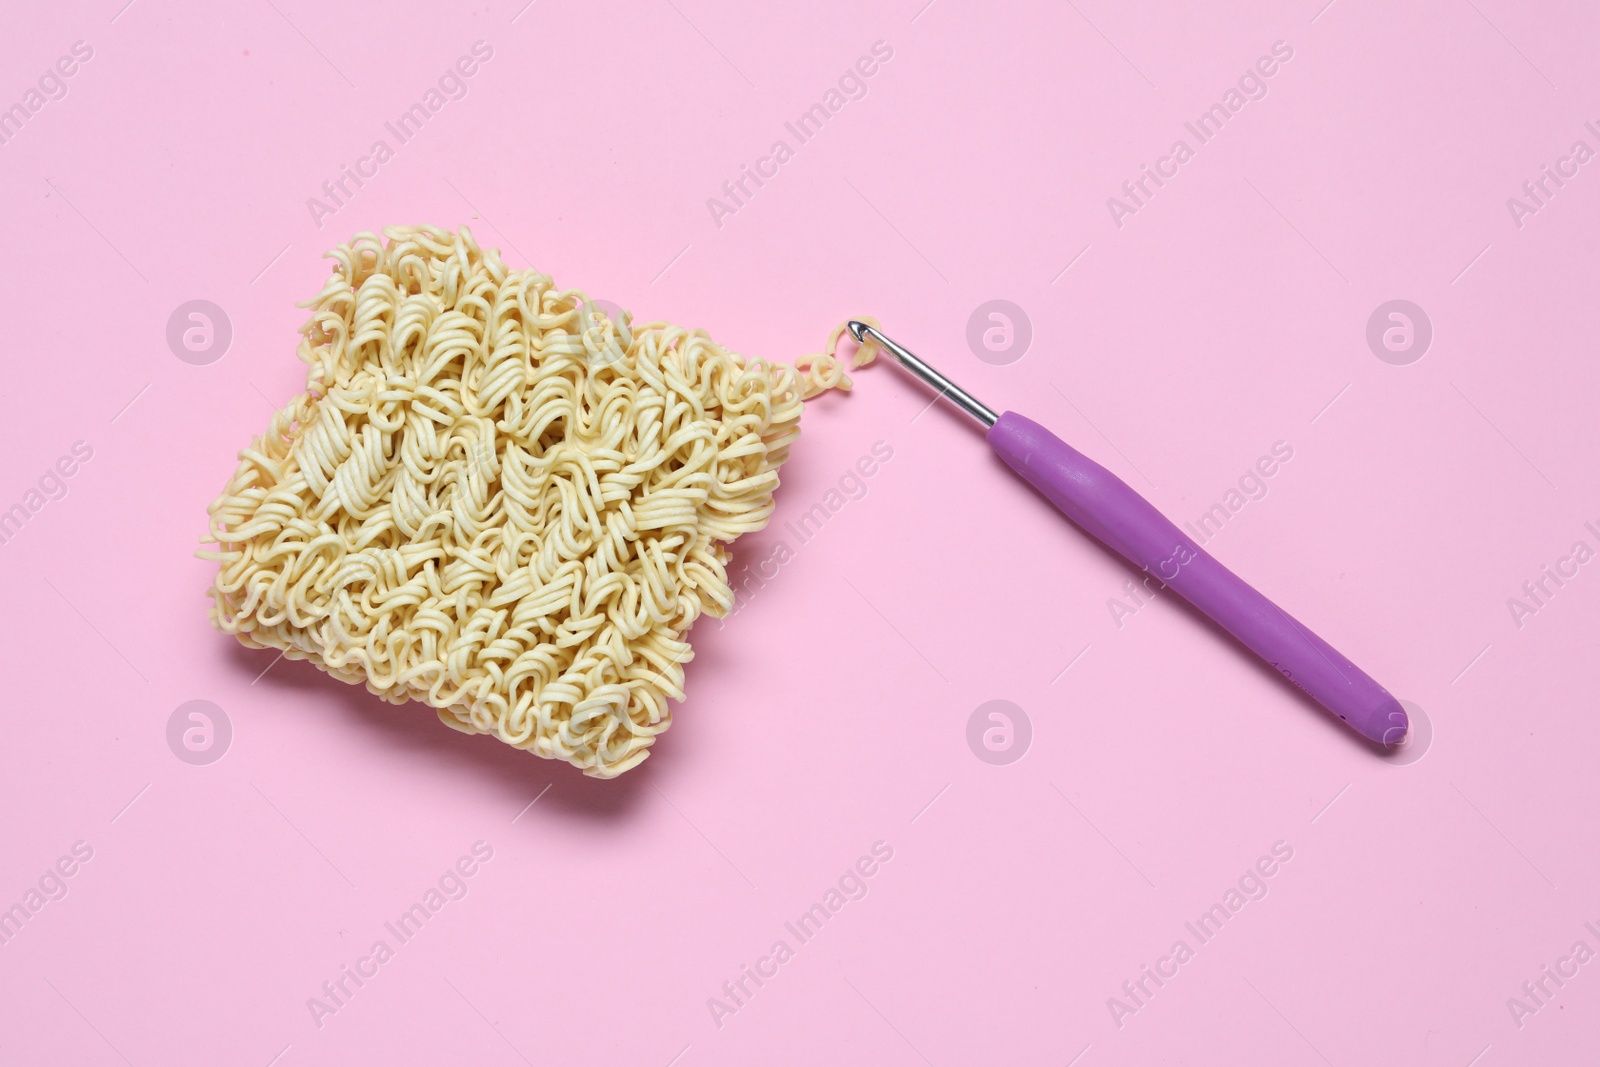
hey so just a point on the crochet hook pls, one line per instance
(1106, 507)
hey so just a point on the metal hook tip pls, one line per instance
(856, 329)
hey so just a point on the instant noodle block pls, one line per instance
(497, 500)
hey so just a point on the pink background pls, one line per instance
(1227, 314)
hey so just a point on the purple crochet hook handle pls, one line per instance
(1106, 507)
